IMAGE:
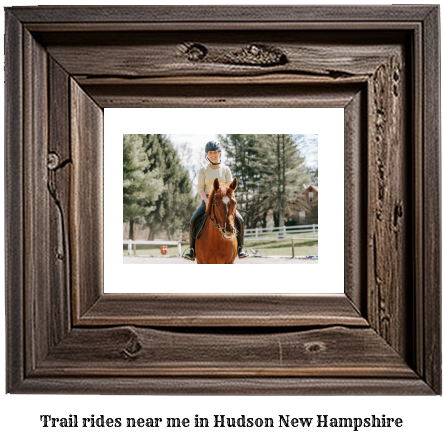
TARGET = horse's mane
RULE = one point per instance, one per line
(224, 190)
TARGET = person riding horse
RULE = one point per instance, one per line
(214, 169)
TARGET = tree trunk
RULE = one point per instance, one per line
(265, 214)
(276, 219)
(281, 221)
(131, 229)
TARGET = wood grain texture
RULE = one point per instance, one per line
(384, 340)
(86, 197)
(129, 351)
(174, 385)
(240, 310)
(265, 79)
(59, 166)
(355, 189)
(224, 14)
(225, 96)
(38, 311)
(388, 204)
(417, 357)
(14, 203)
(171, 54)
(431, 321)
(232, 26)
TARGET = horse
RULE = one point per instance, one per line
(218, 241)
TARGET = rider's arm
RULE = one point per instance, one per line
(203, 195)
(201, 185)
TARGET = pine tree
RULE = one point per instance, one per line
(140, 188)
(271, 172)
(176, 204)
(314, 175)
(288, 173)
(246, 157)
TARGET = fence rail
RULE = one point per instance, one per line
(255, 233)
(251, 234)
(130, 244)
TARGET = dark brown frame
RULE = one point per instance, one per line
(64, 65)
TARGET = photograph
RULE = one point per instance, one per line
(220, 198)
(167, 178)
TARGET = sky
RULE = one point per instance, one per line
(198, 141)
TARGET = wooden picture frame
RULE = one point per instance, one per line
(65, 64)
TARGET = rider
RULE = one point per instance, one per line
(208, 173)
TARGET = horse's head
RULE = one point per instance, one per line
(221, 207)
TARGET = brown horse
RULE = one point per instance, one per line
(218, 241)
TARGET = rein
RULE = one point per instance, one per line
(216, 224)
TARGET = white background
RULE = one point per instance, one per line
(19, 414)
(325, 277)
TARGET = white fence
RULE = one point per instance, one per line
(270, 233)
(283, 232)
(130, 243)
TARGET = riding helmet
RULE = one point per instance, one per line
(212, 146)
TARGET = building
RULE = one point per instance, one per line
(304, 209)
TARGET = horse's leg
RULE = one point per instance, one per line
(202, 244)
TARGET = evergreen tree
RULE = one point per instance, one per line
(246, 156)
(314, 175)
(271, 172)
(140, 188)
(176, 204)
(288, 173)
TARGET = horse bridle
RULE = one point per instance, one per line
(216, 224)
